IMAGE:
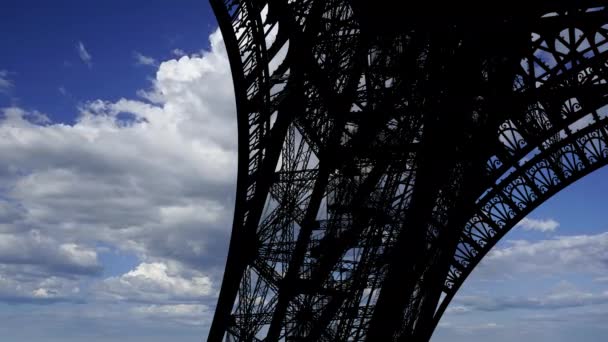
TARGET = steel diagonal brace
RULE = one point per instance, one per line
(326, 161)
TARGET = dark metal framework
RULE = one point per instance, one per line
(383, 153)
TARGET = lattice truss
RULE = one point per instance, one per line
(377, 166)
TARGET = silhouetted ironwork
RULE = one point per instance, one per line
(383, 152)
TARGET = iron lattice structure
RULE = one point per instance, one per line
(383, 152)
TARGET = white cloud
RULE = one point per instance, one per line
(84, 55)
(189, 314)
(33, 248)
(5, 83)
(565, 295)
(583, 254)
(17, 286)
(143, 60)
(157, 283)
(178, 52)
(166, 169)
(548, 225)
(153, 179)
(518, 274)
(469, 329)
(17, 117)
(456, 309)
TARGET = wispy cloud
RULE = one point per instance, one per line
(84, 55)
(190, 314)
(562, 297)
(544, 226)
(178, 52)
(143, 60)
(5, 83)
(582, 254)
(66, 93)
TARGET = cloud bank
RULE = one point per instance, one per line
(152, 177)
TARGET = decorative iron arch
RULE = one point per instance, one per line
(353, 217)
(549, 151)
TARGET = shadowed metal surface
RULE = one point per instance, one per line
(383, 153)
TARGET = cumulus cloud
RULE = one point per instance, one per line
(548, 225)
(153, 178)
(156, 283)
(17, 117)
(84, 55)
(33, 248)
(5, 83)
(143, 60)
(35, 284)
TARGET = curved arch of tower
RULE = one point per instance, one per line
(383, 153)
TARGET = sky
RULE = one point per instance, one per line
(118, 146)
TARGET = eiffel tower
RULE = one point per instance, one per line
(386, 147)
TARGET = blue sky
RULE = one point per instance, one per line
(108, 219)
(546, 280)
(42, 38)
(117, 135)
